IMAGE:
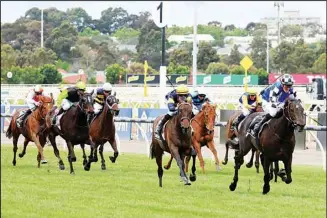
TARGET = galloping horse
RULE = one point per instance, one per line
(103, 130)
(177, 134)
(203, 125)
(33, 130)
(276, 141)
(232, 134)
(74, 128)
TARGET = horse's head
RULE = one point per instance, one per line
(46, 104)
(112, 103)
(86, 103)
(294, 113)
(209, 116)
(184, 114)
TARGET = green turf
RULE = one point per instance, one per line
(129, 188)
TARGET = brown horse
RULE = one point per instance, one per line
(102, 130)
(177, 140)
(33, 130)
(203, 125)
(230, 142)
(276, 141)
(74, 128)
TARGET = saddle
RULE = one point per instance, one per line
(20, 123)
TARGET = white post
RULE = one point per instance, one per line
(195, 47)
(163, 73)
(41, 28)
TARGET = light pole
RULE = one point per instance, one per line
(267, 50)
(278, 4)
(195, 47)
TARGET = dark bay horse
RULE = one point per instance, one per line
(203, 125)
(33, 130)
(102, 130)
(178, 136)
(232, 134)
(276, 141)
(74, 128)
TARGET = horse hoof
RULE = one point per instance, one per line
(73, 159)
(61, 167)
(225, 162)
(72, 173)
(266, 189)
(87, 167)
(21, 155)
(193, 178)
(188, 183)
(166, 167)
(232, 187)
(248, 165)
(44, 161)
(84, 162)
(103, 167)
(112, 159)
(218, 168)
(288, 181)
(14, 163)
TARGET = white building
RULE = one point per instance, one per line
(189, 38)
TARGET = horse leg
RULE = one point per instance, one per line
(276, 170)
(15, 148)
(212, 148)
(187, 160)
(26, 141)
(71, 156)
(103, 162)
(288, 169)
(84, 155)
(180, 164)
(250, 164)
(238, 163)
(91, 159)
(167, 167)
(36, 140)
(197, 148)
(256, 163)
(225, 161)
(192, 175)
(114, 147)
(158, 152)
(52, 140)
(271, 170)
(266, 178)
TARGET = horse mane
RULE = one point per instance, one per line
(45, 99)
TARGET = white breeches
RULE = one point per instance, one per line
(268, 109)
(195, 110)
(31, 106)
(97, 107)
(66, 104)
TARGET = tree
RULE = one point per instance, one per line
(250, 27)
(292, 30)
(137, 21)
(215, 23)
(237, 69)
(54, 16)
(50, 74)
(31, 75)
(113, 71)
(217, 68)
(178, 69)
(229, 27)
(79, 18)
(138, 68)
(124, 34)
(206, 55)
(112, 19)
(235, 56)
(319, 65)
(62, 39)
(87, 32)
(106, 55)
(181, 56)
(33, 14)
(282, 57)
(259, 51)
(8, 56)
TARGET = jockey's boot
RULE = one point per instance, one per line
(237, 121)
(258, 125)
(90, 116)
(22, 118)
(160, 125)
(55, 116)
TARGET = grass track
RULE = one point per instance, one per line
(129, 188)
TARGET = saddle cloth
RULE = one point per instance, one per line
(21, 113)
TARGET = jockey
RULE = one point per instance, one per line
(99, 97)
(68, 97)
(178, 95)
(32, 100)
(248, 101)
(198, 99)
(277, 93)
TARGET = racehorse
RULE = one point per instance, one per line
(276, 141)
(74, 129)
(102, 130)
(203, 125)
(33, 129)
(177, 141)
(231, 135)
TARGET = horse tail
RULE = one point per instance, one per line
(152, 152)
(9, 130)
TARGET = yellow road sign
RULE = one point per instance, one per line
(246, 63)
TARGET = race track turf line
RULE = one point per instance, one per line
(129, 188)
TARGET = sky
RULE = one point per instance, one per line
(180, 13)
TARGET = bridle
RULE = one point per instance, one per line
(206, 119)
(112, 99)
(185, 117)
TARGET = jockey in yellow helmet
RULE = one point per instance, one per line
(178, 95)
